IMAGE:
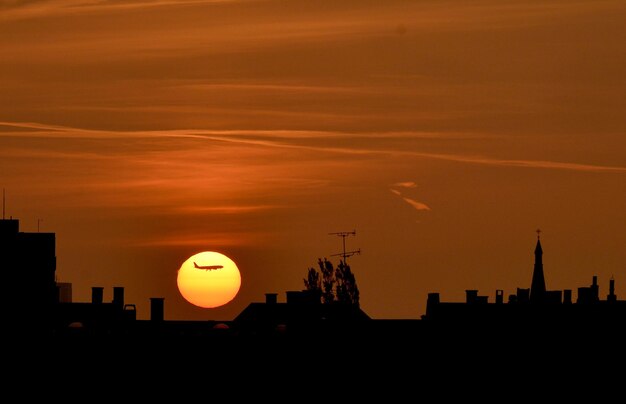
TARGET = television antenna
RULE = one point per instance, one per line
(345, 254)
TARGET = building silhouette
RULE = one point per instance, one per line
(302, 311)
(28, 263)
(538, 284)
(35, 302)
(531, 306)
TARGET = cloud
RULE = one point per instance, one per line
(556, 165)
(235, 209)
(281, 139)
(247, 65)
(417, 205)
(185, 172)
(435, 14)
(43, 8)
(202, 240)
(406, 184)
(273, 88)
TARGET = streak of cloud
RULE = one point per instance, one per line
(539, 164)
(269, 140)
(420, 206)
(437, 13)
(228, 210)
(415, 204)
(405, 184)
(221, 240)
(274, 88)
(44, 8)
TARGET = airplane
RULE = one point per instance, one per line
(208, 267)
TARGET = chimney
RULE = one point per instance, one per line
(523, 295)
(471, 296)
(499, 296)
(271, 298)
(156, 308)
(567, 296)
(433, 298)
(595, 295)
(612, 297)
(118, 296)
(431, 303)
(97, 294)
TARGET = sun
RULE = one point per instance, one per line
(209, 279)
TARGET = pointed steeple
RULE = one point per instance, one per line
(538, 285)
(538, 250)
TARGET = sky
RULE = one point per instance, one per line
(444, 132)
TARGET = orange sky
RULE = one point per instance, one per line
(444, 132)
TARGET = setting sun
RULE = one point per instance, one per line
(208, 279)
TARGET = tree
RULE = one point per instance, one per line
(346, 289)
(312, 281)
(336, 285)
(328, 280)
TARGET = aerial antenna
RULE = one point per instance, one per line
(345, 254)
(4, 202)
(538, 234)
(38, 221)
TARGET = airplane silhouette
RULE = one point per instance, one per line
(208, 267)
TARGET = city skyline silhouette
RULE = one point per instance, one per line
(48, 307)
(296, 337)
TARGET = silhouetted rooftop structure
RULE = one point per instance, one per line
(28, 264)
(538, 284)
(302, 310)
(29, 258)
(527, 306)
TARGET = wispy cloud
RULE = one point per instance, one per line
(281, 140)
(414, 203)
(204, 240)
(235, 209)
(405, 184)
(274, 88)
(39, 8)
(540, 164)
(437, 14)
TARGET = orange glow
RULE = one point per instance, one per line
(209, 288)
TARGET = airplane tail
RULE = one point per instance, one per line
(195, 265)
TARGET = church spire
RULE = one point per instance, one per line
(538, 285)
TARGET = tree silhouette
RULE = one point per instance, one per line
(336, 285)
(328, 280)
(312, 281)
(346, 290)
